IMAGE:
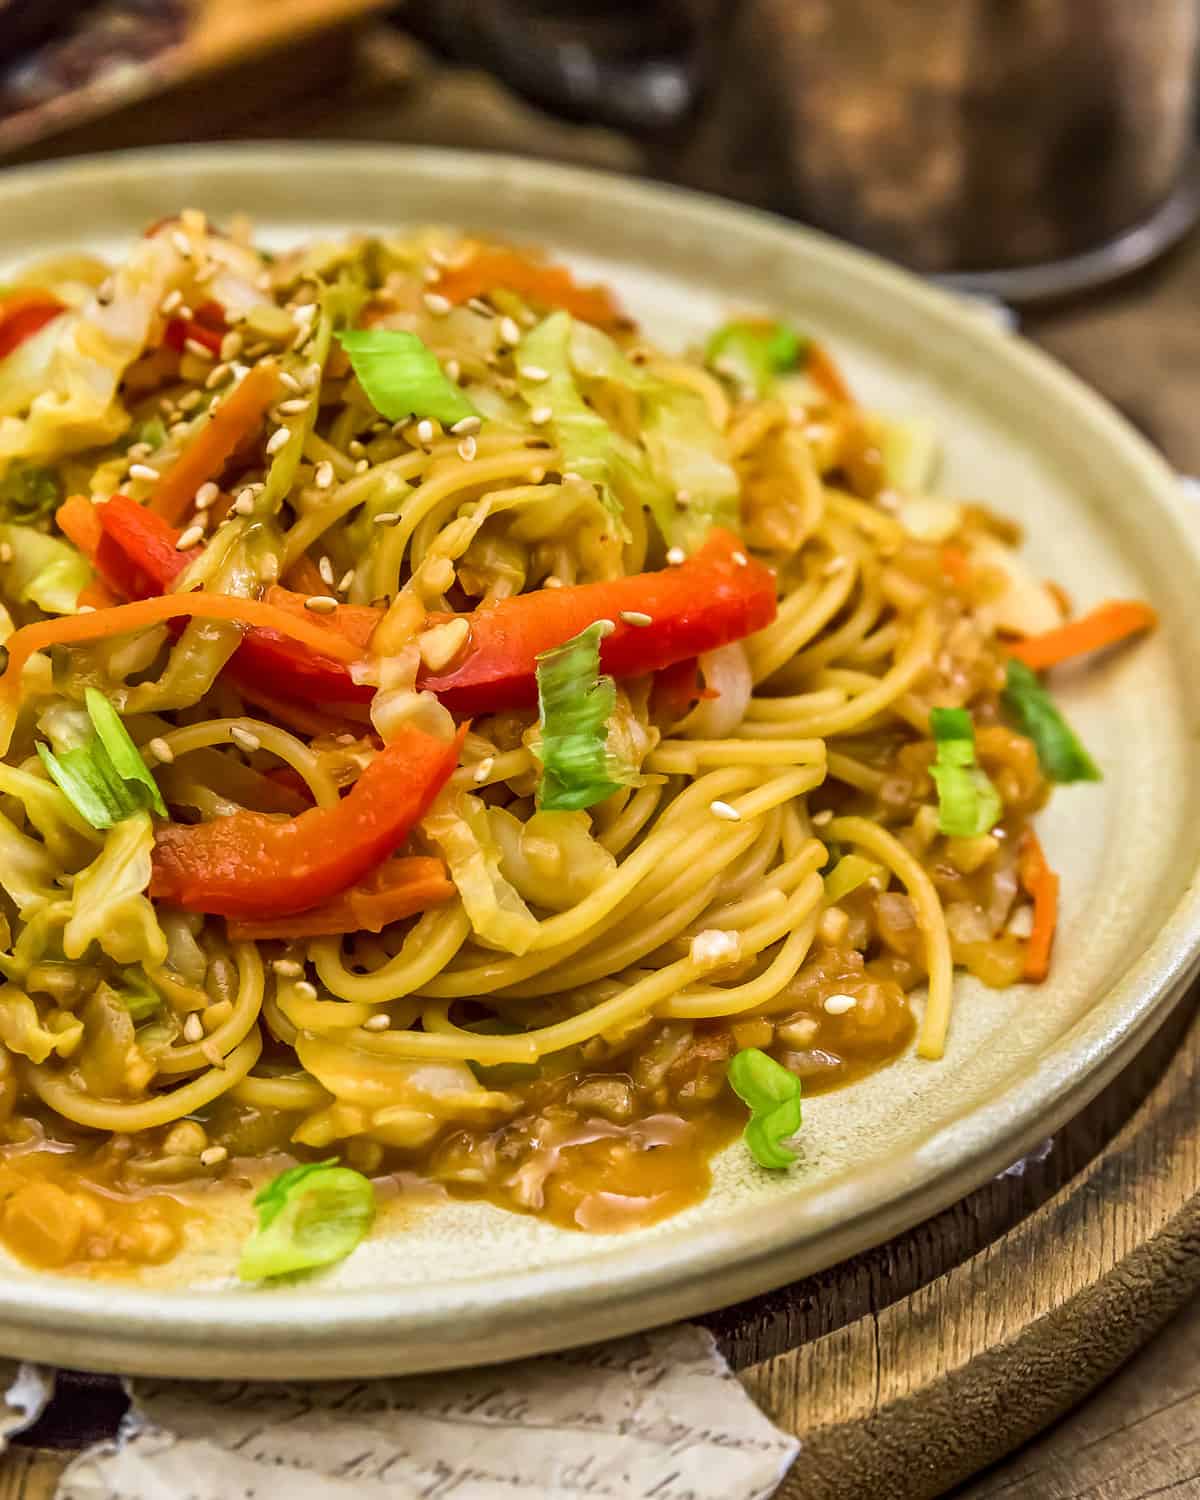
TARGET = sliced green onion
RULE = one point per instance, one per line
(968, 803)
(773, 1096)
(1060, 753)
(28, 493)
(851, 871)
(754, 353)
(307, 1216)
(575, 704)
(137, 994)
(105, 780)
(152, 432)
(402, 376)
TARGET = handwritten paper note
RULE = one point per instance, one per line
(655, 1417)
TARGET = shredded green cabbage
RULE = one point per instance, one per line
(108, 901)
(402, 376)
(968, 803)
(575, 705)
(308, 1216)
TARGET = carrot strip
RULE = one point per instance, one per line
(79, 521)
(124, 617)
(955, 564)
(96, 595)
(827, 375)
(1041, 884)
(203, 459)
(303, 577)
(545, 285)
(1104, 626)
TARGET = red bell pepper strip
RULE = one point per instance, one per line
(718, 595)
(22, 314)
(677, 689)
(398, 888)
(206, 327)
(253, 867)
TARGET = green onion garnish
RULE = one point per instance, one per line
(307, 1216)
(773, 1095)
(402, 376)
(105, 780)
(968, 803)
(575, 704)
(754, 353)
(1060, 753)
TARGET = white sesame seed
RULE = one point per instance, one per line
(189, 538)
(819, 819)
(478, 305)
(835, 565)
(278, 439)
(425, 431)
(303, 315)
(438, 305)
(244, 740)
(467, 449)
(321, 604)
(86, 609)
(323, 478)
(552, 581)
(466, 426)
(289, 381)
(540, 415)
(193, 1028)
(166, 406)
(232, 345)
(244, 504)
(216, 376)
(636, 617)
(510, 332)
(206, 495)
(305, 991)
(377, 1023)
(143, 471)
(725, 811)
(675, 556)
(740, 560)
(838, 1005)
(160, 750)
(431, 275)
(6, 552)
(387, 518)
(362, 466)
(201, 351)
(184, 312)
(325, 568)
(181, 243)
(310, 377)
(170, 302)
(453, 369)
(213, 1156)
(355, 448)
(534, 373)
(138, 450)
(189, 400)
(287, 968)
(294, 407)
(483, 770)
(345, 581)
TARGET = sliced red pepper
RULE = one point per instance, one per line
(206, 326)
(718, 595)
(253, 867)
(137, 554)
(22, 314)
(677, 689)
(399, 888)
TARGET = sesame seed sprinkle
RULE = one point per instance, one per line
(143, 471)
(387, 518)
(345, 581)
(725, 811)
(838, 1005)
(453, 370)
(244, 504)
(201, 351)
(213, 1156)
(138, 450)
(232, 344)
(278, 439)
(540, 415)
(534, 373)
(170, 302)
(189, 400)
(362, 466)
(189, 538)
(287, 968)
(321, 604)
(510, 332)
(325, 568)
(206, 495)
(425, 431)
(216, 376)
(160, 750)
(478, 305)
(305, 990)
(86, 609)
(377, 1023)
(466, 427)
(355, 449)
(467, 449)
(286, 378)
(675, 556)
(819, 819)
(294, 406)
(636, 617)
(193, 1028)
(323, 478)
(438, 305)
(244, 740)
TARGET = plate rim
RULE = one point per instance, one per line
(371, 1331)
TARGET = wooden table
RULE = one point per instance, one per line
(888, 1364)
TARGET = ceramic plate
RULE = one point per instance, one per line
(468, 1283)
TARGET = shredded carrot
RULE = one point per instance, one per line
(299, 716)
(79, 521)
(398, 889)
(542, 284)
(1104, 626)
(303, 577)
(97, 595)
(955, 564)
(125, 617)
(353, 622)
(1041, 885)
(827, 375)
(229, 423)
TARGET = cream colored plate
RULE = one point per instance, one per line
(469, 1283)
